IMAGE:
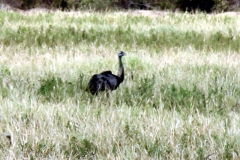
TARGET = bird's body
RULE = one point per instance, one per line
(106, 81)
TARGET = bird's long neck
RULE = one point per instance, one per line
(121, 69)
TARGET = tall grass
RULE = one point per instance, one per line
(179, 100)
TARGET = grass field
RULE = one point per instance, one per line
(180, 98)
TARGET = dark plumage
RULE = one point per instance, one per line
(106, 81)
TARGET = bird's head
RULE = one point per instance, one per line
(121, 53)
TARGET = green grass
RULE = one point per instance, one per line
(180, 98)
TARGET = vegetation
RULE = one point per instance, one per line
(180, 98)
(183, 5)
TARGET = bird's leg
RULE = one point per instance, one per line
(108, 93)
(107, 90)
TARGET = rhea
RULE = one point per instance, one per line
(106, 81)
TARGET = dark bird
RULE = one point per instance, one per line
(106, 81)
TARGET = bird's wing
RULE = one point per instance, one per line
(106, 72)
(95, 84)
(102, 82)
(111, 80)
